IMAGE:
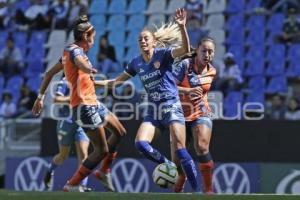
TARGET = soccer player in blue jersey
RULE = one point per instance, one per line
(68, 132)
(111, 123)
(154, 67)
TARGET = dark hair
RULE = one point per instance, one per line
(206, 39)
(81, 26)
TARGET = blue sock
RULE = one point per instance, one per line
(150, 153)
(84, 181)
(52, 166)
(189, 167)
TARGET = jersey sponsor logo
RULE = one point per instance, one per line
(231, 178)
(156, 64)
(141, 70)
(290, 184)
(151, 75)
(129, 175)
(28, 175)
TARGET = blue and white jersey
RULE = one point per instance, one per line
(63, 90)
(156, 76)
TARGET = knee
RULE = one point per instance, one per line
(201, 147)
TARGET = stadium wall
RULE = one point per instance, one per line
(232, 141)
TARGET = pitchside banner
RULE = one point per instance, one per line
(280, 178)
(129, 175)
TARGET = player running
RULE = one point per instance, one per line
(194, 78)
(154, 67)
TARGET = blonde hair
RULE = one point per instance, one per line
(167, 35)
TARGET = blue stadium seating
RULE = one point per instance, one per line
(13, 85)
(252, 4)
(256, 22)
(2, 81)
(117, 7)
(136, 21)
(257, 83)
(275, 22)
(136, 6)
(234, 6)
(21, 5)
(255, 67)
(235, 22)
(34, 83)
(256, 36)
(257, 97)
(21, 41)
(275, 67)
(276, 52)
(3, 37)
(277, 84)
(235, 36)
(99, 23)
(232, 104)
(293, 69)
(132, 52)
(132, 38)
(116, 23)
(294, 52)
(256, 52)
(98, 7)
(239, 54)
(34, 68)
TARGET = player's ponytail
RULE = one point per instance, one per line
(167, 35)
(82, 26)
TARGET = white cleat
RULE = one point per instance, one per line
(73, 188)
(105, 179)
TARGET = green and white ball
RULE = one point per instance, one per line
(165, 175)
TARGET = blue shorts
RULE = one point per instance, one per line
(200, 120)
(69, 132)
(90, 117)
(165, 115)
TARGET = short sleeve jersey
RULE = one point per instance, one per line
(82, 90)
(156, 76)
(187, 75)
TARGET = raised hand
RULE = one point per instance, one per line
(180, 16)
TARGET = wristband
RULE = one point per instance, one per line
(41, 96)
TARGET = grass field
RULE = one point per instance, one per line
(12, 195)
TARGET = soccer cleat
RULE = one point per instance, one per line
(105, 179)
(73, 188)
(87, 189)
(48, 180)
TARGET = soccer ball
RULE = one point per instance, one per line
(165, 175)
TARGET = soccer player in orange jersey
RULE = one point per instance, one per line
(87, 112)
(194, 77)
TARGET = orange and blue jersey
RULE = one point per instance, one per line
(82, 90)
(187, 74)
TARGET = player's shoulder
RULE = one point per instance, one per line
(212, 69)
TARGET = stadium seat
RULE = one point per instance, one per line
(255, 36)
(275, 67)
(255, 67)
(252, 4)
(156, 6)
(98, 7)
(293, 69)
(256, 52)
(14, 83)
(173, 5)
(34, 83)
(156, 19)
(218, 35)
(215, 21)
(277, 84)
(99, 22)
(293, 53)
(234, 6)
(239, 54)
(3, 37)
(35, 67)
(276, 52)
(132, 52)
(235, 22)
(232, 104)
(116, 38)
(257, 97)
(136, 6)
(21, 5)
(132, 38)
(275, 22)
(117, 7)
(56, 38)
(136, 21)
(257, 83)
(37, 38)
(235, 36)
(116, 23)
(2, 81)
(215, 6)
(36, 53)
(54, 53)
(256, 22)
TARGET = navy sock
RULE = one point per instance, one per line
(150, 153)
(189, 167)
(205, 158)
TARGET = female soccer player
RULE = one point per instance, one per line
(68, 132)
(154, 67)
(194, 78)
(86, 110)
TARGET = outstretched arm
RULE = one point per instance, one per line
(38, 104)
(180, 18)
(113, 82)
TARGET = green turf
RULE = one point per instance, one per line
(12, 195)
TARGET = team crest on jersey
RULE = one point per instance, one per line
(156, 64)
